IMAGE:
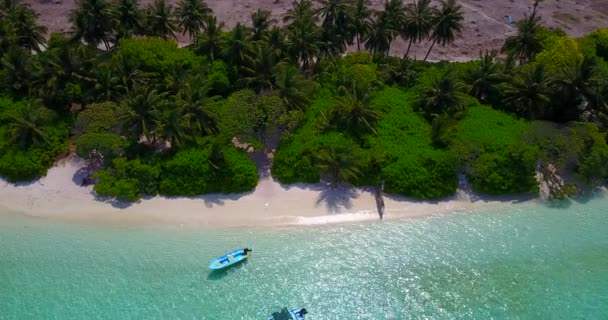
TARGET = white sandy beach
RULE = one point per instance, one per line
(57, 196)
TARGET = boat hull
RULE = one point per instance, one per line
(230, 259)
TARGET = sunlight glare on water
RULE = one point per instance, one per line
(526, 261)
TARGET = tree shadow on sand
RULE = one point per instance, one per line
(337, 198)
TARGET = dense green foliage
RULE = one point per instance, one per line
(178, 121)
(31, 138)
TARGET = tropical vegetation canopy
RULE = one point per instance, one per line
(155, 118)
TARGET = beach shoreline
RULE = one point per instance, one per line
(58, 196)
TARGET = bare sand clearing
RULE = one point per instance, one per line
(57, 196)
(485, 25)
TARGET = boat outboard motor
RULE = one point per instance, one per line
(247, 250)
(303, 311)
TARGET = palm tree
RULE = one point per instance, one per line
(169, 125)
(445, 94)
(361, 20)
(338, 162)
(194, 102)
(418, 22)
(59, 69)
(354, 111)
(380, 37)
(209, 43)
(337, 24)
(386, 27)
(160, 21)
(485, 78)
(237, 46)
(192, 14)
(447, 24)
(29, 34)
(128, 71)
(576, 88)
(16, 72)
(526, 43)
(139, 105)
(260, 22)
(394, 16)
(7, 36)
(25, 124)
(300, 10)
(259, 68)
(106, 84)
(529, 93)
(92, 22)
(292, 87)
(127, 18)
(303, 36)
(276, 40)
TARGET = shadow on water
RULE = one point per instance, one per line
(222, 273)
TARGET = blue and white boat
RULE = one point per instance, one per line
(237, 256)
(293, 314)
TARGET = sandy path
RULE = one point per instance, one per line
(485, 25)
(56, 196)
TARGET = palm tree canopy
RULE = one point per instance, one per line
(236, 46)
(260, 22)
(160, 20)
(529, 93)
(303, 36)
(29, 34)
(355, 112)
(448, 22)
(127, 18)
(292, 87)
(380, 37)
(192, 14)
(25, 125)
(445, 94)
(91, 21)
(361, 20)
(526, 43)
(484, 79)
(209, 42)
(418, 21)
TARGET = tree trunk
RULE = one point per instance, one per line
(407, 53)
(358, 43)
(431, 48)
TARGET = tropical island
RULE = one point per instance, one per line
(315, 96)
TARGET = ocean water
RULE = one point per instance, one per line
(526, 261)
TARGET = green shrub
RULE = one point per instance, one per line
(98, 118)
(109, 185)
(557, 55)
(237, 174)
(427, 176)
(359, 57)
(485, 129)
(188, 173)
(158, 55)
(510, 171)
(108, 145)
(17, 165)
(413, 166)
(596, 43)
(218, 79)
(128, 180)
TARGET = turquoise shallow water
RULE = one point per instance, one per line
(527, 261)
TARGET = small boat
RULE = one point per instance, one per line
(230, 259)
(293, 314)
